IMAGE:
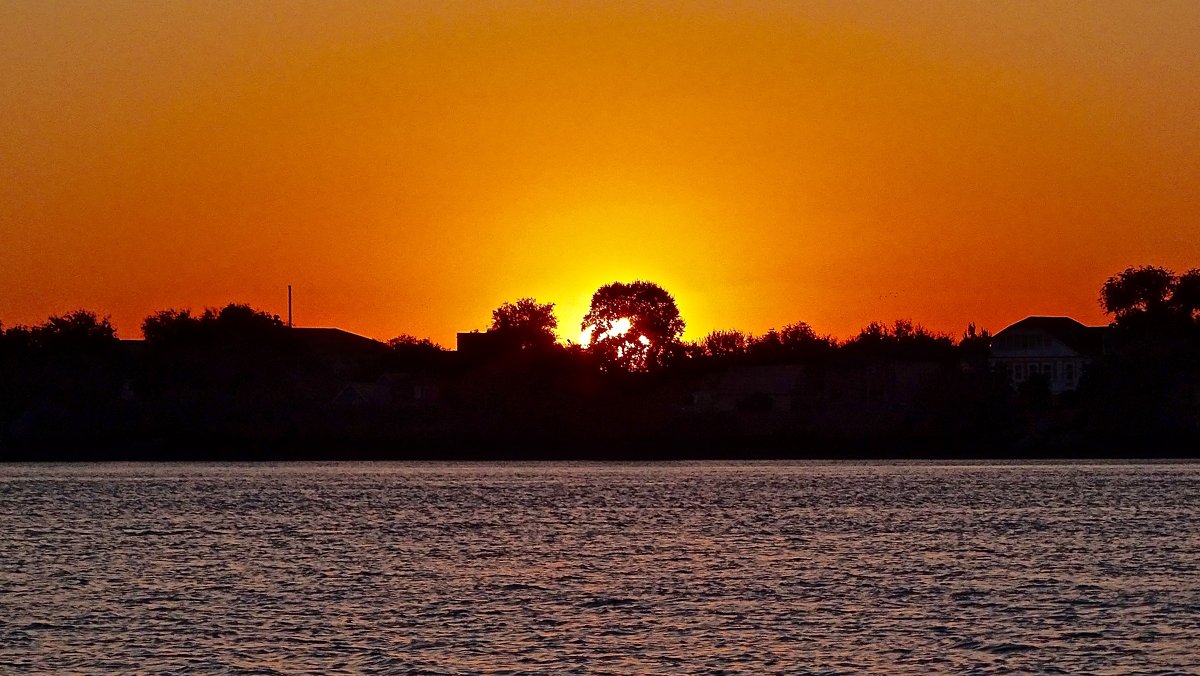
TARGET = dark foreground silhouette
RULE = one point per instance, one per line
(238, 384)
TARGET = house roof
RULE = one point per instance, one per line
(1075, 335)
(328, 340)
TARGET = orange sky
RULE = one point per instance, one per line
(410, 166)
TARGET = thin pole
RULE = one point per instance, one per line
(289, 306)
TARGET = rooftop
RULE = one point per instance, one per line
(1075, 335)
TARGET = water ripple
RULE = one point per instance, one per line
(580, 568)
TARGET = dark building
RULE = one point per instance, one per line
(346, 353)
(482, 346)
(1055, 348)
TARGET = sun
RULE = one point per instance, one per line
(618, 328)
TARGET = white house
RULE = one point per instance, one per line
(1057, 349)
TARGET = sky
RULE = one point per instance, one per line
(410, 166)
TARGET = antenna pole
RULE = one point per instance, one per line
(289, 306)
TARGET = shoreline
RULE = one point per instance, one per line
(333, 450)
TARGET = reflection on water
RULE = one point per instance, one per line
(452, 568)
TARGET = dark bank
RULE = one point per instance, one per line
(240, 384)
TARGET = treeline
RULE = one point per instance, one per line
(237, 383)
(1144, 394)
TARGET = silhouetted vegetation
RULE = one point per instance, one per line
(235, 382)
(526, 323)
(75, 333)
(1147, 389)
(796, 342)
(61, 379)
(634, 327)
(410, 353)
(1146, 291)
(902, 340)
(975, 345)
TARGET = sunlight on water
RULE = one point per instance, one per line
(452, 568)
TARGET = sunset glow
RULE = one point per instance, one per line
(408, 167)
(650, 336)
(619, 328)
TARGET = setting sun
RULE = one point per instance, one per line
(408, 167)
(289, 290)
(619, 328)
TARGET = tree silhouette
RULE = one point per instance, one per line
(634, 327)
(975, 345)
(13, 340)
(1151, 303)
(903, 339)
(415, 354)
(725, 345)
(527, 323)
(1186, 297)
(242, 319)
(1144, 290)
(407, 342)
(234, 322)
(232, 350)
(794, 342)
(170, 326)
(78, 331)
(63, 375)
(1143, 389)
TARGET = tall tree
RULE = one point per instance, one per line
(1144, 290)
(528, 323)
(634, 327)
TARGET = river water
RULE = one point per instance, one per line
(596, 568)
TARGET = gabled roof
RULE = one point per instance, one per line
(1088, 340)
(336, 340)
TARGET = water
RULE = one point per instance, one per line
(574, 568)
